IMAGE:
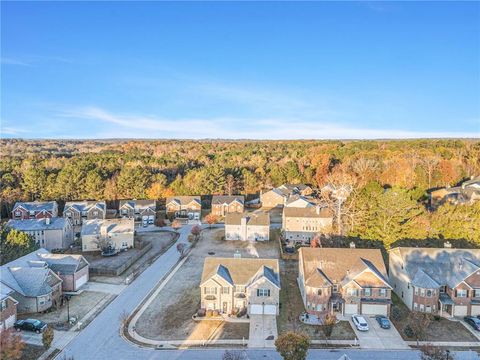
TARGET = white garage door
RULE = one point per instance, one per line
(10, 321)
(460, 310)
(475, 310)
(374, 309)
(80, 281)
(351, 309)
(270, 310)
(256, 309)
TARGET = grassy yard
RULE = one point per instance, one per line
(292, 307)
(438, 330)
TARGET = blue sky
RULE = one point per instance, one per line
(273, 70)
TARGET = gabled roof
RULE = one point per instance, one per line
(36, 206)
(225, 199)
(267, 273)
(308, 212)
(102, 226)
(37, 224)
(139, 204)
(423, 280)
(241, 271)
(445, 266)
(340, 265)
(253, 219)
(184, 200)
(294, 198)
(85, 205)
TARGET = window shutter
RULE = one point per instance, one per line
(268, 292)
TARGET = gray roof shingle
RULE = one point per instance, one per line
(37, 224)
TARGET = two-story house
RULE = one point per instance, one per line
(184, 207)
(140, 210)
(441, 281)
(247, 226)
(49, 233)
(466, 193)
(8, 307)
(117, 233)
(78, 211)
(230, 284)
(300, 225)
(344, 281)
(35, 286)
(278, 197)
(35, 210)
(222, 205)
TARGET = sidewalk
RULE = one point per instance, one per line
(467, 344)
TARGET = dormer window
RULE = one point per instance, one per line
(461, 293)
(335, 288)
(319, 292)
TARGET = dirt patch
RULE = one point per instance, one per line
(32, 352)
(291, 307)
(438, 330)
(169, 315)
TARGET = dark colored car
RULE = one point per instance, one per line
(290, 250)
(473, 322)
(30, 325)
(383, 321)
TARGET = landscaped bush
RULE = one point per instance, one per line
(242, 312)
(436, 317)
(408, 331)
(209, 313)
(201, 312)
(216, 313)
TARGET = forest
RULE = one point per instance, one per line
(389, 179)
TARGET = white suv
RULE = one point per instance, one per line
(360, 322)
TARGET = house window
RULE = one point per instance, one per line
(422, 292)
(95, 213)
(476, 293)
(319, 292)
(263, 292)
(416, 291)
(462, 293)
(367, 292)
(335, 288)
(18, 213)
(210, 290)
(428, 309)
(3, 305)
(422, 308)
(382, 292)
(429, 293)
(415, 306)
(225, 290)
(352, 292)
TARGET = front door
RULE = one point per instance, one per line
(225, 307)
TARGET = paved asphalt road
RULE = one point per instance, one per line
(101, 338)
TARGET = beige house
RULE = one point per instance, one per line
(273, 198)
(184, 207)
(230, 284)
(49, 233)
(117, 233)
(302, 224)
(286, 193)
(441, 281)
(140, 210)
(344, 281)
(78, 211)
(297, 189)
(299, 201)
(222, 205)
(247, 227)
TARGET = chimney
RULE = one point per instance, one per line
(47, 220)
(447, 245)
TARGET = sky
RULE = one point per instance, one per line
(240, 70)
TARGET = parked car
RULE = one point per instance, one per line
(473, 322)
(30, 325)
(360, 322)
(290, 250)
(383, 321)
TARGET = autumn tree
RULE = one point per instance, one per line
(176, 224)
(211, 219)
(328, 324)
(196, 230)
(11, 345)
(418, 324)
(293, 345)
(47, 337)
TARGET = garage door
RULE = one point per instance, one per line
(270, 310)
(460, 310)
(374, 309)
(256, 309)
(475, 310)
(80, 281)
(351, 309)
(10, 321)
(151, 219)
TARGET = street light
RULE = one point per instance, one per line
(67, 299)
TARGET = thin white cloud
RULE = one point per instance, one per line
(148, 126)
(7, 130)
(13, 61)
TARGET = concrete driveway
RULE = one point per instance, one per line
(261, 327)
(378, 338)
(469, 328)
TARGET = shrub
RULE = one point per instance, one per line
(201, 312)
(209, 313)
(436, 317)
(408, 331)
(216, 313)
(47, 337)
(242, 312)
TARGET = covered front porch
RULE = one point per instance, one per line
(446, 308)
